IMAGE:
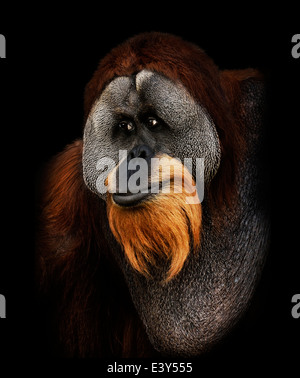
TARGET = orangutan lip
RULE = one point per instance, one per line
(129, 199)
(132, 199)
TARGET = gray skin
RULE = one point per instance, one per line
(135, 99)
(193, 311)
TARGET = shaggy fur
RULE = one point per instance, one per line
(87, 299)
(74, 265)
(163, 228)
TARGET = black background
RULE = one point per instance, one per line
(51, 55)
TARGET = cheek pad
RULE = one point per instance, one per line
(194, 133)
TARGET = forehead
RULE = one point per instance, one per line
(138, 83)
(129, 90)
(147, 87)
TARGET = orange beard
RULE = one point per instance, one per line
(161, 229)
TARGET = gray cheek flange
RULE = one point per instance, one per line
(192, 132)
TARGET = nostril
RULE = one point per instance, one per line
(143, 154)
(142, 151)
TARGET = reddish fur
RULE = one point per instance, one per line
(75, 269)
(74, 265)
(160, 229)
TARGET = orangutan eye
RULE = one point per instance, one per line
(126, 126)
(152, 123)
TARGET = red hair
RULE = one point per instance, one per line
(163, 229)
(92, 305)
(76, 272)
